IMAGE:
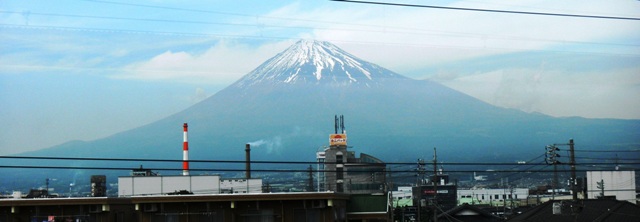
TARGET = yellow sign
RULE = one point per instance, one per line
(337, 139)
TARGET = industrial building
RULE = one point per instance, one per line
(145, 182)
(494, 197)
(354, 190)
(315, 206)
(620, 185)
(343, 172)
(162, 185)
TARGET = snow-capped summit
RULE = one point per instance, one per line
(317, 62)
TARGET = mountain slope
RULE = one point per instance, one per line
(287, 106)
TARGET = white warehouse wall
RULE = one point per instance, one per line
(621, 184)
(161, 185)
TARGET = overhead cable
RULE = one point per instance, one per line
(268, 170)
(490, 10)
(276, 162)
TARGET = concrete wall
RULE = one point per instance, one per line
(621, 184)
(161, 185)
(241, 186)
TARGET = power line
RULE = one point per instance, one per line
(380, 29)
(612, 159)
(287, 162)
(168, 8)
(221, 35)
(528, 168)
(383, 29)
(266, 170)
(237, 14)
(132, 31)
(131, 19)
(490, 10)
(608, 151)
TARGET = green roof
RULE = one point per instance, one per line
(402, 203)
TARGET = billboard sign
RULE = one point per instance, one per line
(338, 139)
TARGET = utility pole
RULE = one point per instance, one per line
(419, 176)
(504, 202)
(551, 156)
(390, 190)
(435, 185)
(555, 181)
(390, 178)
(47, 191)
(511, 198)
(551, 159)
(572, 161)
(600, 185)
(420, 173)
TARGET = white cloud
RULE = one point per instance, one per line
(403, 39)
(411, 40)
(557, 92)
(222, 63)
(406, 39)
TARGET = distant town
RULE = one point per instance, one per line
(341, 185)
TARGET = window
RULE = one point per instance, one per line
(339, 173)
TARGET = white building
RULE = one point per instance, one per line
(492, 196)
(402, 197)
(162, 185)
(621, 184)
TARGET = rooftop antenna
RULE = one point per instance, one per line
(335, 124)
(342, 124)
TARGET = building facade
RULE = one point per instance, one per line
(402, 197)
(325, 206)
(160, 185)
(621, 184)
(493, 197)
(343, 172)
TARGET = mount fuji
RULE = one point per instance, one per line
(317, 62)
(285, 108)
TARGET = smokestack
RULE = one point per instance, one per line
(185, 152)
(247, 150)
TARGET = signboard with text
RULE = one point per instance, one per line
(337, 139)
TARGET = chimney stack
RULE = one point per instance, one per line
(185, 152)
(247, 150)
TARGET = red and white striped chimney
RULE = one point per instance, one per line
(185, 152)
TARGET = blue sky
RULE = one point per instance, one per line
(83, 70)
